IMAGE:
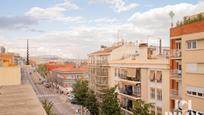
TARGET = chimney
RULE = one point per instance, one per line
(160, 47)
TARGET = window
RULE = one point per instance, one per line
(159, 77)
(153, 110)
(152, 76)
(195, 68)
(191, 44)
(116, 72)
(189, 92)
(152, 93)
(195, 91)
(159, 94)
(137, 90)
(159, 111)
(200, 94)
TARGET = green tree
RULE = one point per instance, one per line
(42, 69)
(80, 90)
(91, 103)
(142, 108)
(110, 104)
(48, 105)
(85, 97)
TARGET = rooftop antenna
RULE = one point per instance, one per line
(171, 14)
(27, 59)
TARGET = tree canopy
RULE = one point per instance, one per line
(142, 108)
(85, 97)
(110, 104)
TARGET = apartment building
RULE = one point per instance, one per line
(66, 76)
(99, 68)
(187, 64)
(10, 73)
(143, 76)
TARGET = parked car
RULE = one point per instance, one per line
(47, 85)
(73, 101)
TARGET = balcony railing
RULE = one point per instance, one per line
(125, 108)
(125, 77)
(130, 93)
(175, 93)
(102, 83)
(176, 73)
(175, 53)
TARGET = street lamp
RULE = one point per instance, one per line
(171, 14)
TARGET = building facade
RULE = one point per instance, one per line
(143, 76)
(99, 65)
(187, 64)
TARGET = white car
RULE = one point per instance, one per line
(70, 97)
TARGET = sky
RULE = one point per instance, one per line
(74, 28)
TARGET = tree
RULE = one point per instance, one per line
(42, 69)
(110, 104)
(142, 108)
(47, 105)
(91, 103)
(80, 90)
(85, 97)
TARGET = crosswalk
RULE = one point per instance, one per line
(47, 95)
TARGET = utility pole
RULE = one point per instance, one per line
(27, 59)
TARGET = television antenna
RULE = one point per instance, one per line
(171, 14)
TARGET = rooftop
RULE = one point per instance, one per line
(19, 100)
(189, 25)
(53, 66)
(154, 61)
(105, 51)
(71, 69)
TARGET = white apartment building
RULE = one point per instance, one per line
(143, 75)
(99, 68)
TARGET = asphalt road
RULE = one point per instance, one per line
(61, 105)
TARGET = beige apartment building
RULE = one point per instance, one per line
(99, 65)
(10, 75)
(145, 76)
(187, 63)
(140, 72)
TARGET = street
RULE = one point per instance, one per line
(60, 104)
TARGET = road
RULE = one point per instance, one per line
(60, 104)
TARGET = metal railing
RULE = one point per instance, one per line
(176, 72)
(175, 92)
(125, 77)
(131, 93)
(175, 53)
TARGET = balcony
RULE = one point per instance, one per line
(176, 74)
(102, 84)
(126, 109)
(175, 54)
(174, 93)
(132, 80)
(130, 94)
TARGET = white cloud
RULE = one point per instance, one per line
(68, 5)
(82, 39)
(118, 5)
(156, 21)
(121, 6)
(55, 12)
